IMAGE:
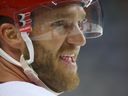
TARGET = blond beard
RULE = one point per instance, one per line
(52, 72)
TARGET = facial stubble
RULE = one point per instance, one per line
(52, 72)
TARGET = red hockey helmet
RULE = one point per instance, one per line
(20, 11)
(14, 8)
(11, 7)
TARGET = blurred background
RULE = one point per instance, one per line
(103, 62)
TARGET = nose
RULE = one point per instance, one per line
(76, 37)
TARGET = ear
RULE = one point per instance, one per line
(11, 36)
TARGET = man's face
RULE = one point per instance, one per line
(57, 39)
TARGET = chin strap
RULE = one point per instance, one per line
(30, 49)
(9, 58)
(27, 69)
(29, 45)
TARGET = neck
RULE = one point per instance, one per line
(15, 53)
(10, 72)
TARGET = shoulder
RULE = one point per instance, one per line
(17, 88)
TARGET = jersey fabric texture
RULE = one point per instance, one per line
(18, 88)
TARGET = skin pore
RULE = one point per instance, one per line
(57, 39)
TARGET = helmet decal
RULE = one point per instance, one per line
(24, 22)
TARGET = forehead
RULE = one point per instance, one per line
(70, 11)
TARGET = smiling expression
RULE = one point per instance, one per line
(57, 38)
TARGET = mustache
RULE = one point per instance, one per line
(69, 49)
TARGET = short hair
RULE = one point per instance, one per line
(6, 19)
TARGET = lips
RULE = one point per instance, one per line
(69, 60)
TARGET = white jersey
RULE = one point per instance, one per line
(18, 88)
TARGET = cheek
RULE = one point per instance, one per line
(51, 38)
(58, 41)
(54, 43)
(59, 37)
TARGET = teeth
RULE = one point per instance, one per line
(68, 58)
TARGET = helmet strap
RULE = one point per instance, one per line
(30, 49)
(29, 45)
(9, 58)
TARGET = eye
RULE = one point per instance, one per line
(80, 24)
(58, 23)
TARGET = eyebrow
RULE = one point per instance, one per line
(66, 15)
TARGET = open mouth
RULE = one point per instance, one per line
(68, 59)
